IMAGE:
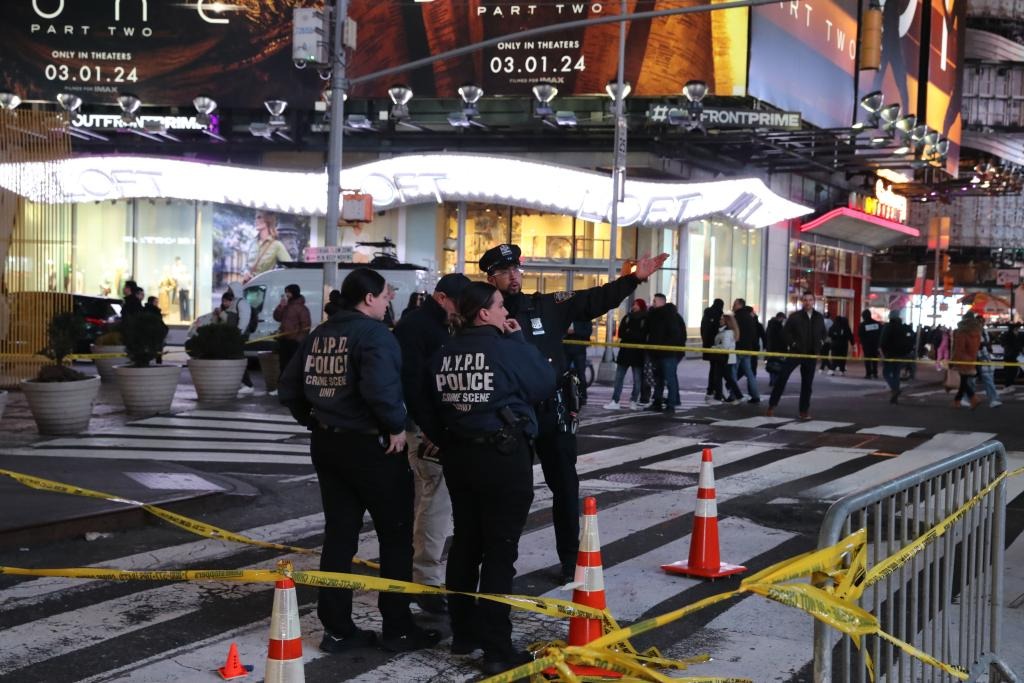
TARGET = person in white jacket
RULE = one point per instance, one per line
(235, 309)
(728, 331)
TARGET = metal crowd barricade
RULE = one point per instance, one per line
(946, 600)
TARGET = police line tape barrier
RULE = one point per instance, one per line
(181, 521)
(845, 563)
(782, 355)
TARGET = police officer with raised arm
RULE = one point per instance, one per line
(545, 319)
(420, 333)
(484, 383)
(344, 384)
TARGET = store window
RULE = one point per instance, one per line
(723, 262)
(542, 236)
(165, 239)
(103, 248)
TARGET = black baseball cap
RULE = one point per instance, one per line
(452, 284)
(501, 256)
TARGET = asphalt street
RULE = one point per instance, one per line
(775, 478)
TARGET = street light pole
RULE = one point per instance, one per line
(618, 174)
(339, 86)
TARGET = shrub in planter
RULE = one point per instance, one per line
(108, 342)
(146, 389)
(217, 361)
(60, 397)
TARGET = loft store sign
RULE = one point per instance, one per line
(407, 180)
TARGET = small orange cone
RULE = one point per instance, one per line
(705, 561)
(589, 591)
(233, 666)
(284, 655)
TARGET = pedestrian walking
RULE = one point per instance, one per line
(826, 346)
(665, 327)
(966, 342)
(131, 304)
(774, 343)
(545, 318)
(748, 339)
(576, 354)
(896, 343)
(840, 337)
(869, 332)
(420, 334)
(710, 323)
(485, 381)
(803, 333)
(986, 373)
(293, 315)
(725, 340)
(632, 330)
(1012, 348)
(345, 385)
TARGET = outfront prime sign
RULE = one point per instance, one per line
(414, 179)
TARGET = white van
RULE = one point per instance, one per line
(264, 291)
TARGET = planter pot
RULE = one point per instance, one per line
(61, 407)
(148, 390)
(270, 366)
(217, 380)
(105, 366)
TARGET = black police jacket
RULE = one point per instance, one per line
(347, 375)
(870, 334)
(545, 318)
(420, 333)
(478, 372)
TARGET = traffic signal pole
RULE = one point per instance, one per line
(335, 138)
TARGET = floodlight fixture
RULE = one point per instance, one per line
(205, 106)
(400, 96)
(930, 139)
(470, 93)
(906, 124)
(695, 90)
(612, 88)
(129, 107)
(872, 102)
(69, 102)
(889, 116)
(9, 101)
(276, 109)
(544, 93)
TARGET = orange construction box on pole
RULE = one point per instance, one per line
(705, 561)
(589, 591)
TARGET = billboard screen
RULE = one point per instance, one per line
(165, 52)
(661, 55)
(815, 41)
(898, 76)
(945, 81)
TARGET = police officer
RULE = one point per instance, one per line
(420, 333)
(545, 319)
(344, 384)
(485, 381)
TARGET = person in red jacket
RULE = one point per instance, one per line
(295, 323)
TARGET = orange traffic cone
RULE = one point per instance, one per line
(284, 656)
(704, 557)
(589, 591)
(233, 666)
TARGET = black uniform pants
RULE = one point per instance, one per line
(491, 495)
(806, 366)
(870, 366)
(355, 476)
(556, 451)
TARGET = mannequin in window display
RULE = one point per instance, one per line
(184, 286)
(270, 250)
(165, 289)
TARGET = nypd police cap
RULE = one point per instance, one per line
(501, 256)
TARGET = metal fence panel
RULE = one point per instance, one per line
(946, 600)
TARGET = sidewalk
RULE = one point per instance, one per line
(33, 516)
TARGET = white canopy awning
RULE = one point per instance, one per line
(404, 180)
(857, 227)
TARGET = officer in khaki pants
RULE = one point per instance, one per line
(420, 333)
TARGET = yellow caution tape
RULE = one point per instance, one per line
(187, 523)
(783, 355)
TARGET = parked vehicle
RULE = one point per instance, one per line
(99, 314)
(264, 291)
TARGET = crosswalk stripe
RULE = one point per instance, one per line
(722, 455)
(814, 426)
(236, 415)
(240, 425)
(177, 433)
(890, 430)
(753, 422)
(619, 455)
(176, 456)
(936, 448)
(176, 444)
